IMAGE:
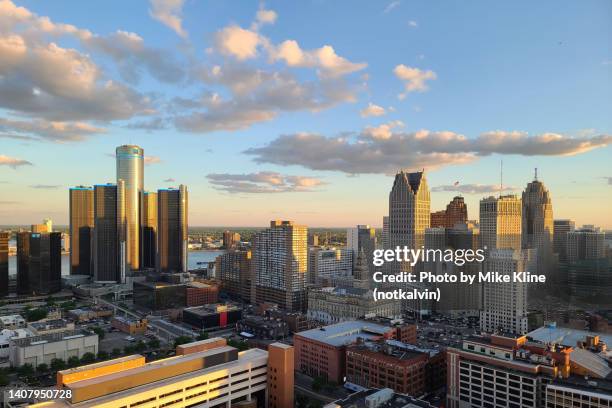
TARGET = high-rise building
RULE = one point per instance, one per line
(584, 244)
(409, 211)
(500, 222)
(280, 258)
(456, 212)
(438, 219)
(23, 263)
(330, 266)
(81, 204)
(589, 271)
(4, 278)
(172, 207)
(537, 225)
(39, 262)
(149, 230)
(363, 238)
(109, 245)
(48, 222)
(130, 169)
(233, 270)
(230, 239)
(560, 230)
(362, 278)
(38, 228)
(505, 303)
(385, 232)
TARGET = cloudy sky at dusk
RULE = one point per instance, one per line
(304, 110)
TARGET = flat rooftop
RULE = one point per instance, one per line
(344, 333)
(566, 336)
(358, 400)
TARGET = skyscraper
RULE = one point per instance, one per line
(109, 246)
(130, 169)
(23, 263)
(456, 212)
(505, 304)
(362, 238)
(560, 230)
(280, 257)
(149, 230)
(45, 263)
(81, 205)
(409, 211)
(537, 224)
(385, 232)
(4, 279)
(172, 229)
(500, 222)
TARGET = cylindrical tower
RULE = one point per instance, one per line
(130, 169)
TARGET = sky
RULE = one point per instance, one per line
(305, 110)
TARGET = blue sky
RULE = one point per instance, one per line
(303, 110)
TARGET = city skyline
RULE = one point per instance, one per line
(265, 117)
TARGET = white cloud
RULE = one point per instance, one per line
(238, 42)
(384, 131)
(49, 130)
(391, 6)
(413, 24)
(414, 78)
(263, 182)
(473, 188)
(264, 16)
(372, 110)
(152, 160)
(169, 13)
(13, 161)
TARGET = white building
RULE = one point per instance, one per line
(36, 350)
(12, 322)
(328, 266)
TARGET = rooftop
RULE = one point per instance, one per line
(358, 400)
(344, 333)
(566, 336)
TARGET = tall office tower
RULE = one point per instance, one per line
(385, 232)
(361, 238)
(230, 239)
(456, 212)
(149, 230)
(462, 298)
(109, 243)
(560, 230)
(130, 169)
(233, 270)
(23, 263)
(330, 266)
(39, 228)
(362, 278)
(505, 304)
(537, 228)
(585, 244)
(4, 279)
(48, 222)
(409, 211)
(280, 265)
(81, 203)
(313, 239)
(500, 222)
(45, 263)
(172, 230)
(438, 219)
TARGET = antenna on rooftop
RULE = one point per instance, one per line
(536, 174)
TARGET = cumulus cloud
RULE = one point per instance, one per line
(48, 130)
(149, 125)
(13, 161)
(383, 131)
(169, 13)
(263, 182)
(473, 188)
(372, 110)
(263, 17)
(414, 79)
(367, 154)
(238, 42)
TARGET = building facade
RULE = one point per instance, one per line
(233, 270)
(537, 227)
(327, 266)
(172, 239)
(81, 203)
(149, 230)
(501, 222)
(4, 275)
(109, 244)
(560, 230)
(362, 238)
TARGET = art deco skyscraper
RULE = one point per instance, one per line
(81, 203)
(409, 211)
(500, 222)
(109, 246)
(172, 229)
(362, 238)
(280, 257)
(4, 279)
(149, 230)
(537, 228)
(130, 169)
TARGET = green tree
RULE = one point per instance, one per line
(73, 361)
(116, 352)
(25, 370)
(129, 349)
(140, 346)
(4, 379)
(70, 304)
(88, 358)
(58, 364)
(102, 355)
(182, 340)
(42, 368)
(100, 332)
(239, 344)
(202, 336)
(34, 315)
(153, 344)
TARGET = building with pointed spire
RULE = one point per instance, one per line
(537, 223)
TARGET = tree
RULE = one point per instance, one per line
(4, 380)
(153, 344)
(239, 344)
(34, 315)
(116, 352)
(182, 340)
(318, 383)
(102, 355)
(140, 346)
(68, 305)
(202, 336)
(25, 370)
(100, 332)
(88, 358)
(128, 349)
(73, 361)
(42, 368)
(58, 364)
